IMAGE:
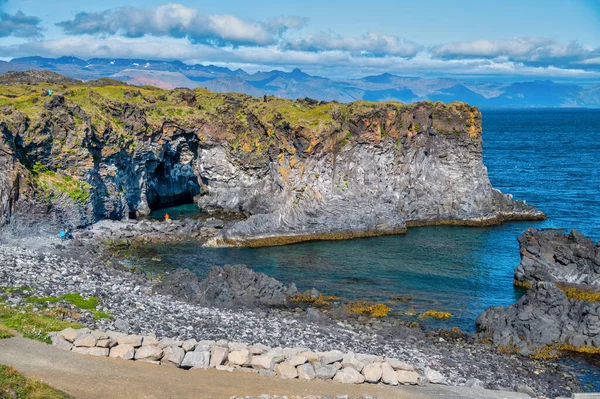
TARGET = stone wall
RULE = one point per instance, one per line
(288, 363)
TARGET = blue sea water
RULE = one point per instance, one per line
(550, 158)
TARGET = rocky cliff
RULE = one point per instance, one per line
(299, 170)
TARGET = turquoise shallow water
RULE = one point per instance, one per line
(547, 157)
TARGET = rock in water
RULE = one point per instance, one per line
(543, 316)
(550, 255)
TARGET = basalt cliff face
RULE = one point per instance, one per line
(299, 170)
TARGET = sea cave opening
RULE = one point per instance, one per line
(171, 185)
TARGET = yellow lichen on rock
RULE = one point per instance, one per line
(321, 300)
(579, 293)
(436, 314)
(368, 309)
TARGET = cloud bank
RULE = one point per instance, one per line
(526, 49)
(373, 43)
(177, 32)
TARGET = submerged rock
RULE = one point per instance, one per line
(550, 255)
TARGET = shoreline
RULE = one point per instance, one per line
(128, 296)
(210, 231)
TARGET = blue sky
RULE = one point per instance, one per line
(509, 39)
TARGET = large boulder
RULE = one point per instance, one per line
(550, 255)
(228, 286)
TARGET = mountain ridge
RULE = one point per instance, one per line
(298, 84)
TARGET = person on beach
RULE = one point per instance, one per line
(167, 218)
(65, 234)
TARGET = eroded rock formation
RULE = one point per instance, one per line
(299, 170)
(550, 255)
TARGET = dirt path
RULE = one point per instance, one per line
(87, 377)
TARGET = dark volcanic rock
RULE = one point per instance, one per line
(227, 286)
(550, 255)
(543, 316)
(181, 284)
(298, 171)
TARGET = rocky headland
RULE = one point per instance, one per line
(561, 309)
(297, 170)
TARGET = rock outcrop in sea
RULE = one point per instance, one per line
(550, 255)
(561, 309)
(299, 170)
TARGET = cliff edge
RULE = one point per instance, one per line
(299, 170)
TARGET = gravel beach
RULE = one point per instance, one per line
(51, 268)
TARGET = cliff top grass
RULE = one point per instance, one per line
(81, 124)
(193, 106)
(14, 385)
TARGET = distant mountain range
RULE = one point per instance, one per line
(297, 84)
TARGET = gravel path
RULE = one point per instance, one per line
(52, 272)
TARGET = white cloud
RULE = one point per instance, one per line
(177, 32)
(326, 63)
(370, 43)
(19, 24)
(179, 21)
(527, 49)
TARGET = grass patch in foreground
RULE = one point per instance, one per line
(14, 385)
(33, 325)
(4, 333)
(76, 299)
(90, 303)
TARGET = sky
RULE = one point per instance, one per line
(505, 39)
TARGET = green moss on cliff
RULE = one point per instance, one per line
(53, 184)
